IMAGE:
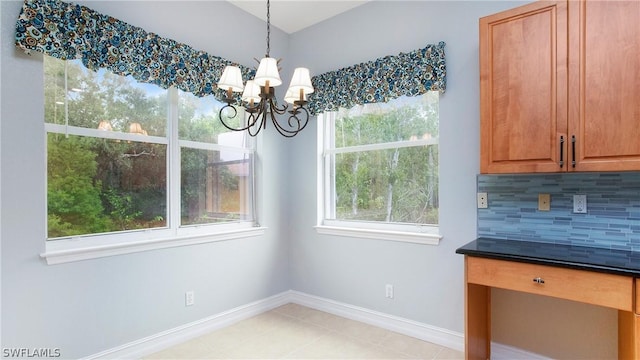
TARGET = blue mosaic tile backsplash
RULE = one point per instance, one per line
(612, 220)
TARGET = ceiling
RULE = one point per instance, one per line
(293, 15)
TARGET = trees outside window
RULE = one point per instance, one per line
(380, 163)
(124, 156)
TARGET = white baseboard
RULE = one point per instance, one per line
(436, 335)
(154, 343)
(433, 334)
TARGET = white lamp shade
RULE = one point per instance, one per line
(231, 79)
(292, 96)
(251, 92)
(268, 71)
(301, 80)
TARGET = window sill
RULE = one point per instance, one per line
(63, 254)
(409, 237)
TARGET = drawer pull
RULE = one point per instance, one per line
(561, 151)
(573, 150)
(538, 280)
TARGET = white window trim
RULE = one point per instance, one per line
(375, 234)
(93, 246)
(77, 249)
(423, 234)
(382, 146)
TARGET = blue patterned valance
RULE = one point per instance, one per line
(70, 31)
(381, 80)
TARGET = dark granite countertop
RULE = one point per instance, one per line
(577, 257)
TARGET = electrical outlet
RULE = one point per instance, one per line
(580, 204)
(544, 202)
(388, 291)
(483, 200)
(189, 298)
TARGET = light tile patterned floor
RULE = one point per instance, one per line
(297, 332)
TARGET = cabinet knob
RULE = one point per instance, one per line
(538, 280)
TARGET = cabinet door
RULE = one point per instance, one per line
(604, 84)
(523, 89)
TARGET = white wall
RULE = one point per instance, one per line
(428, 280)
(89, 306)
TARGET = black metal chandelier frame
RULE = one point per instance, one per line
(267, 107)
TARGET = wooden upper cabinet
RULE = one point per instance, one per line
(523, 76)
(604, 84)
(560, 80)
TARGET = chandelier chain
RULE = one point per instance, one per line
(268, 28)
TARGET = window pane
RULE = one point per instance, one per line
(100, 182)
(99, 185)
(394, 185)
(402, 119)
(216, 186)
(199, 121)
(102, 100)
(382, 162)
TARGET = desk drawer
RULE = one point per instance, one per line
(590, 287)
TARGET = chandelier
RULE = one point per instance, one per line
(258, 96)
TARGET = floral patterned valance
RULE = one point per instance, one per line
(70, 31)
(381, 80)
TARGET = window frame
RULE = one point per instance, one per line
(411, 233)
(90, 246)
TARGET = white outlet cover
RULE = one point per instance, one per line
(580, 204)
(189, 298)
(483, 201)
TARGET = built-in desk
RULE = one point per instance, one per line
(591, 275)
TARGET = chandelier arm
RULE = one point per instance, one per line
(295, 124)
(235, 113)
(256, 129)
(251, 132)
(294, 116)
(283, 131)
(256, 119)
(274, 107)
(251, 120)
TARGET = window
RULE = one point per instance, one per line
(379, 166)
(128, 161)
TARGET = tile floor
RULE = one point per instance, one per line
(296, 332)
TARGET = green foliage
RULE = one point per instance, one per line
(398, 184)
(121, 209)
(74, 204)
(90, 98)
(133, 174)
(100, 185)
